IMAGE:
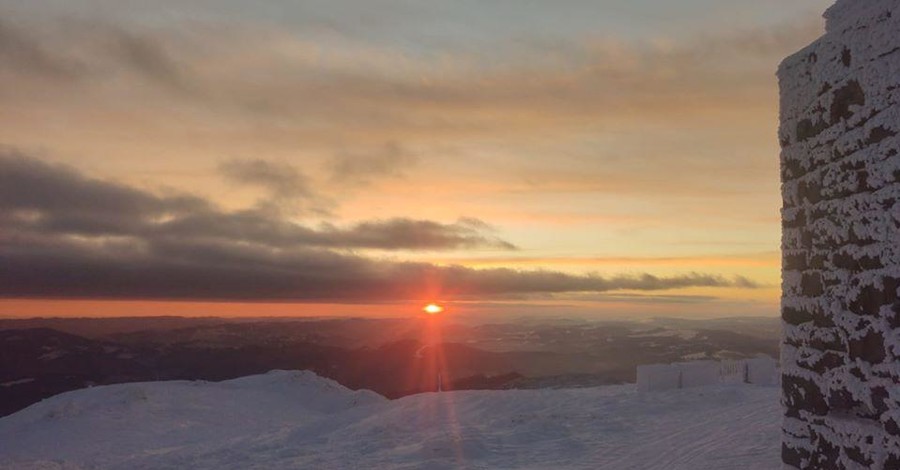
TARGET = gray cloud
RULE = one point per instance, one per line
(20, 53)
(214, 271)
(147, 57)
(465, 233)
(56, 200)
(28, 184)
(578, 75)
(651, 298)
(392, 160)
(288, 189)
(92, 53)
(281, 179)
(66, 235)
(282, 89)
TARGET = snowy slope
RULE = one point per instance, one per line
(299, 420)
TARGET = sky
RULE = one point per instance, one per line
(602, 158)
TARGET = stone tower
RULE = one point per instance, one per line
(840, 169)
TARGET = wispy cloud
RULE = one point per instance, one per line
(357, 168)
(24, 55)
(541, 79)
(763, 259)
(360, 112)
(287, 188)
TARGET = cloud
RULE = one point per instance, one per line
(513, 123)
(66, 235)
(282, 179)
(288, 189)
(31, 185)
(147, 57)
(392, 160)
(649, 298)
(387, 234)
(87, 51)
(22, 54)
(48, 200)
(588, 101)
(283, 87)
(211, 271)
(748, 260)
(288, 73)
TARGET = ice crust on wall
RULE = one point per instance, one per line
(840, 170)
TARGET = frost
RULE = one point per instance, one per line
(840, 120)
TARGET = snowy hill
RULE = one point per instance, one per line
(299, 420)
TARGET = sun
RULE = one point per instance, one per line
(433, 309)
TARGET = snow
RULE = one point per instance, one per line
(668, 333)
(54, 354)
(13, 383)
(299, 420)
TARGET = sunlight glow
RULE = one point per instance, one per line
(433, 309)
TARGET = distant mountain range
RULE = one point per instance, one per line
(394, 357)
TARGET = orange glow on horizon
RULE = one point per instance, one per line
(433, 309)
(31, 308)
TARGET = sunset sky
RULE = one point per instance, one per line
(602, 158)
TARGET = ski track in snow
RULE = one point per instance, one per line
(299, 420)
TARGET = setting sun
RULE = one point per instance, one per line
(433, 309)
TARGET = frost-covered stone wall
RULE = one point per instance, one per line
(840, 120)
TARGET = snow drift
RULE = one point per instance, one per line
(299, 420)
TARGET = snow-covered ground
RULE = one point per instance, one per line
(299, 420)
